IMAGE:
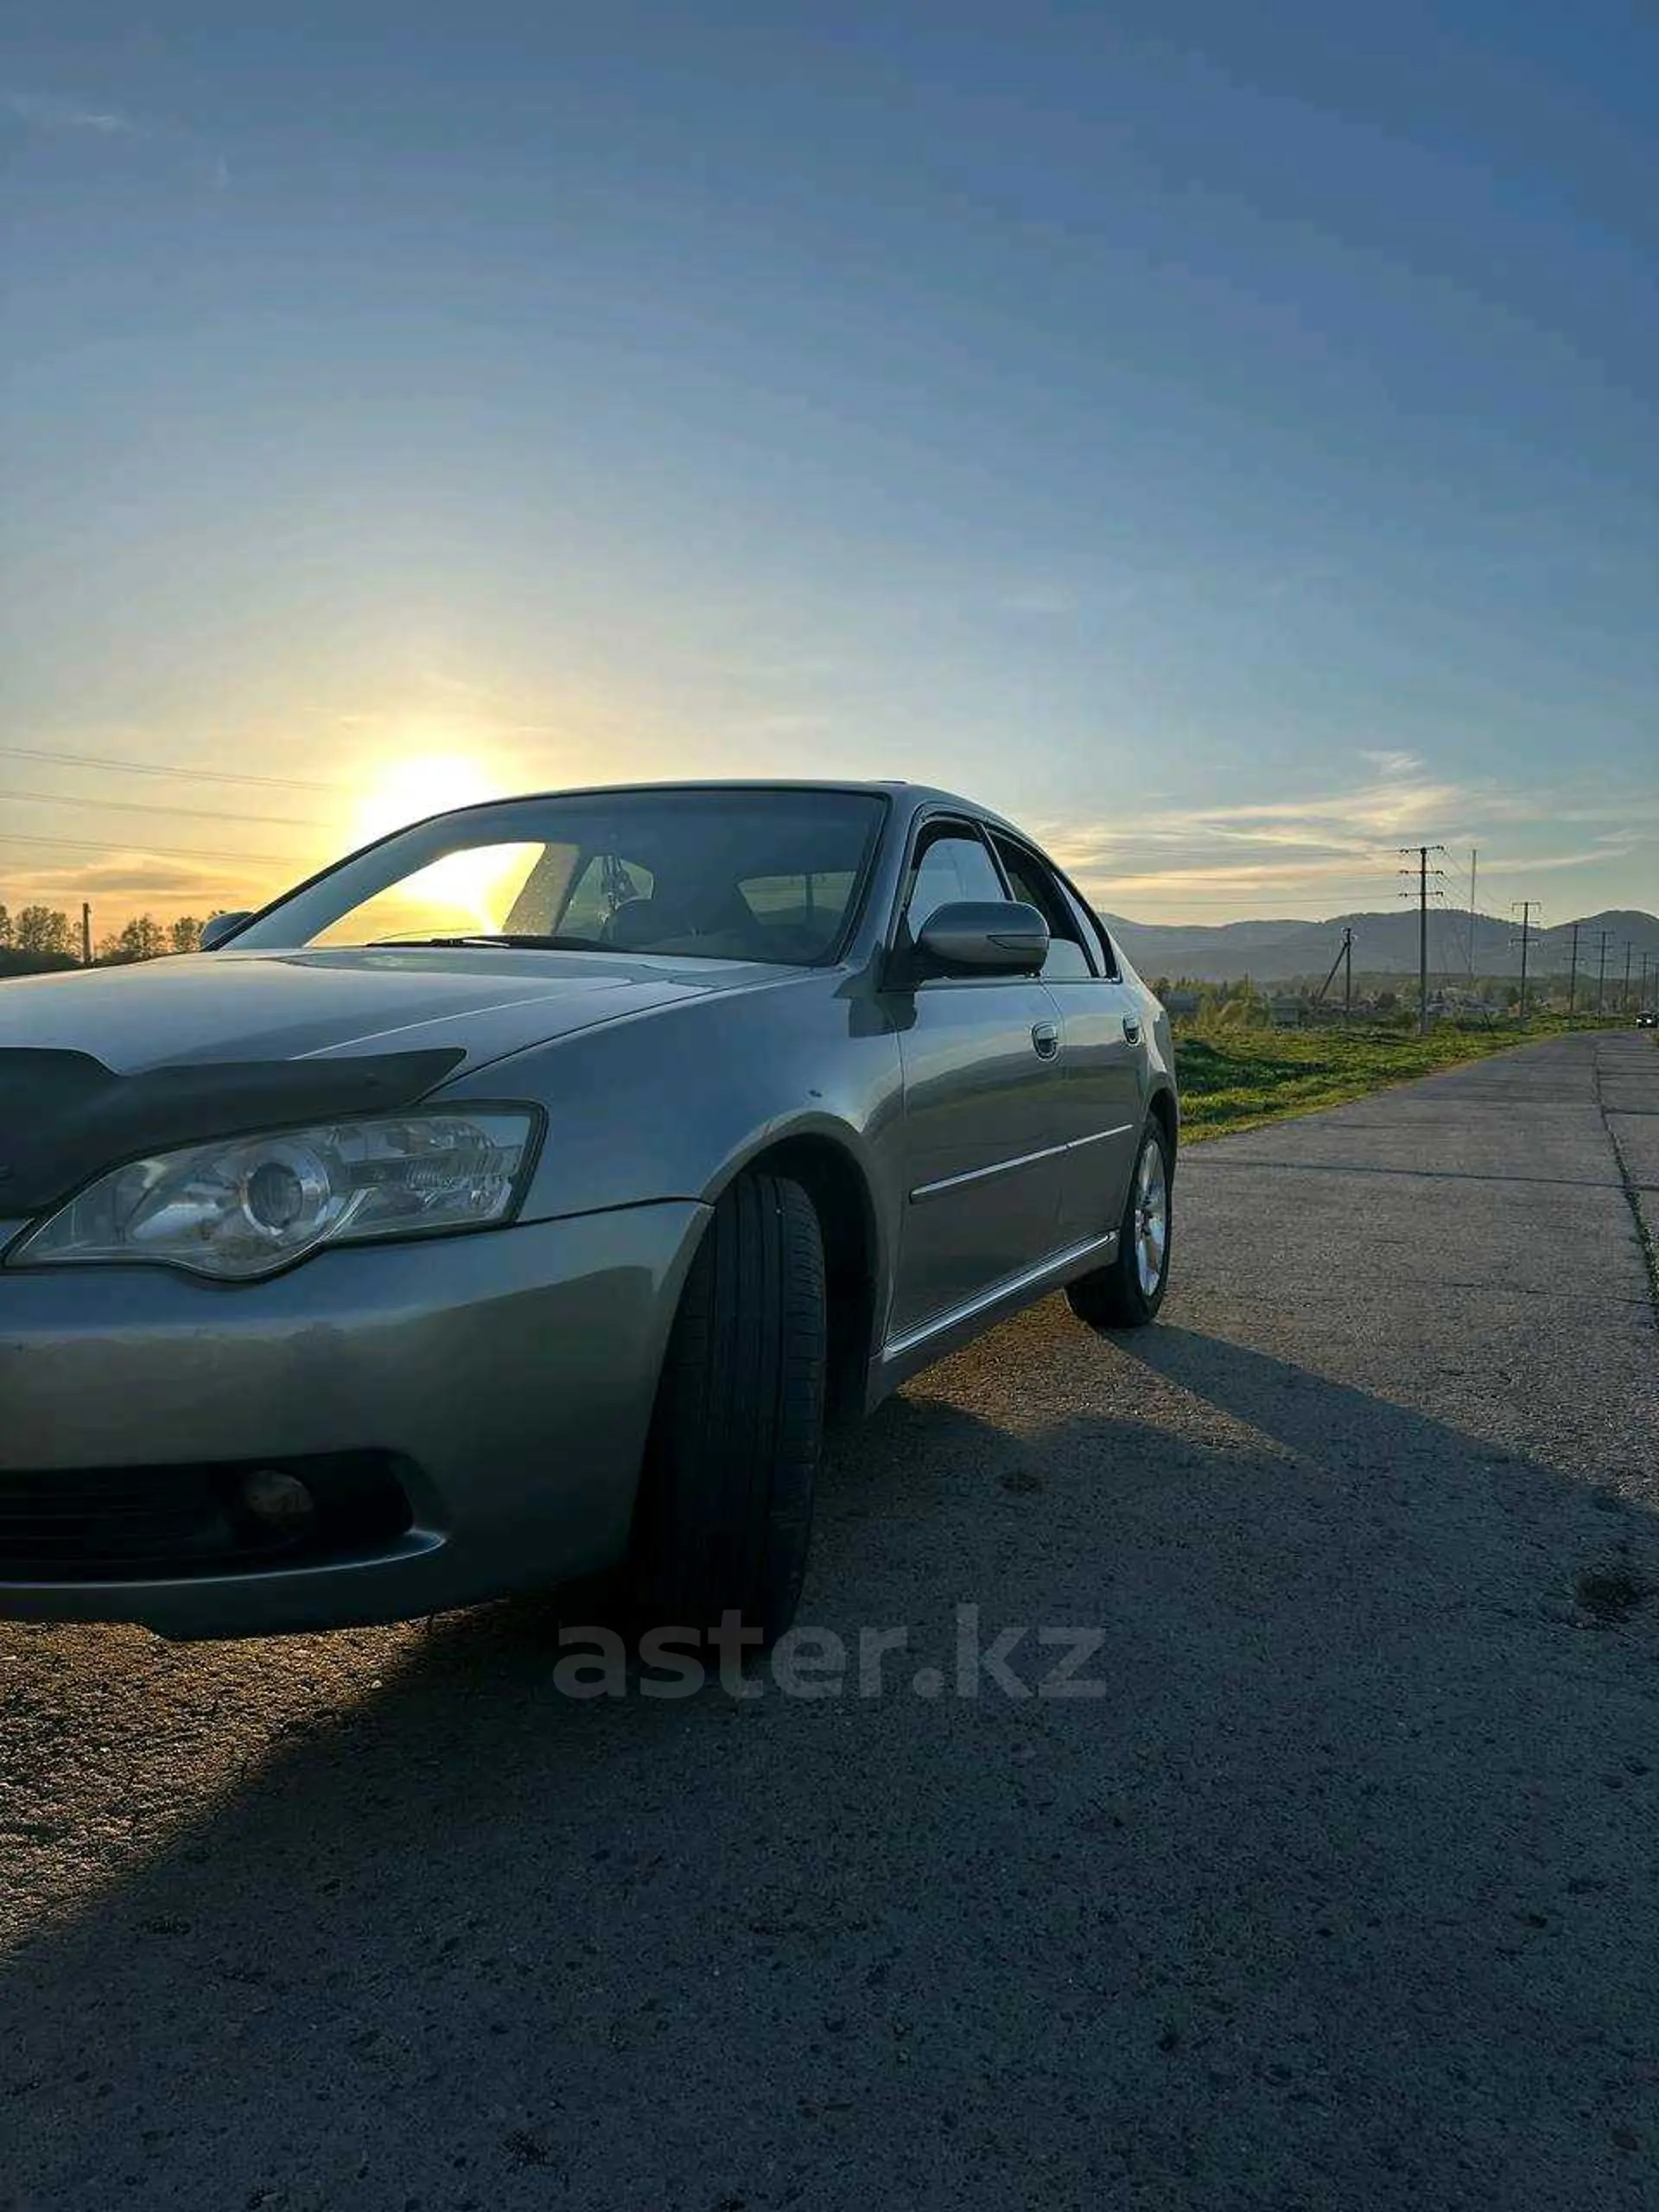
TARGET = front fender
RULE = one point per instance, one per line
(673, 1103)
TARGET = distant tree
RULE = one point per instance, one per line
(1387, 1001)
(185, 934)
(5, 929)
(143, 939)
(42, 929)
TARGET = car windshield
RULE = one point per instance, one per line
(704, 875)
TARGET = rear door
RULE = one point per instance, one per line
(980, 1138)
(1102, 1054)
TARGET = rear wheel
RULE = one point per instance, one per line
(1127, 1294)
(725, 1512)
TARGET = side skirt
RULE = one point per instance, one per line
(901, 1356)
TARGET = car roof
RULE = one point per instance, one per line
(909, 794)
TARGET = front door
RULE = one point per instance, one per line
(1102, 1052)
(981, 1135)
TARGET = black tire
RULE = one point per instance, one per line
(1115, 1296)
(725, 1512)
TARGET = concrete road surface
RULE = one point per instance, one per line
(1342, 1892)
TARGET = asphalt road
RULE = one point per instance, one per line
(1343, 1893)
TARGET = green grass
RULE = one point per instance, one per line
(1239, 1078)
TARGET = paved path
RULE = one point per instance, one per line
(1344, 1894)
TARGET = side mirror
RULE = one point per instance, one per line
(982, 937)
(214, 933)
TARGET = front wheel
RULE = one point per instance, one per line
(725, 1510)
(1127, 1294)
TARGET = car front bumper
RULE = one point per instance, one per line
(509, 1375)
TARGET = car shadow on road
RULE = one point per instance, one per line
(1342, 1885)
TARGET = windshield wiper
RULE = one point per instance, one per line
(515, 940)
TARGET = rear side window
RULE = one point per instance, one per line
(1069, 959)
(1095, 933)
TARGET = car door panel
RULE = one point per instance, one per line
(981, 1142)
(1100, 1105)
(979, 1131)
(1102, 1070)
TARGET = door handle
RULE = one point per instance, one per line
(1131, 1030)
(1046, 1037)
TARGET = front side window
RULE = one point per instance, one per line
(949, 864)
(737, 874)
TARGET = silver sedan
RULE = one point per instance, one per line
(517, 1199)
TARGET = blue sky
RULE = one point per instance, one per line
(1222, 436)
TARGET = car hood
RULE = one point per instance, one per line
(224, 1006)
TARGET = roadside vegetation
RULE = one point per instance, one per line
(1236, 1070)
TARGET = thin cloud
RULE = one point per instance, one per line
(42, 113)
(131, 883)
(1039, 600)
(1393, 764)
(48, 116)
(1336, 848)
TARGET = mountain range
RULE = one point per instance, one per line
(1384, 944)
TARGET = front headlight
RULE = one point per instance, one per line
(246, 1206)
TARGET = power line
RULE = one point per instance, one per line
(155, 768)
(141, 806)
(169, 852)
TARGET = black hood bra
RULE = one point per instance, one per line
(65, 1116)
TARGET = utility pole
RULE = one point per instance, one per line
(85, 934)
(1473, 856)
(1603, 942)
(1422, 852)
(1345, 960)
(1624, 996)
(1526, 906)
(1573, 974)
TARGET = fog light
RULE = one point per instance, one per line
(281, 1501)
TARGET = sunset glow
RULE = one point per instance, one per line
(429, 783)
(1184, 446)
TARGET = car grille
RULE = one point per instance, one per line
(135, 1523)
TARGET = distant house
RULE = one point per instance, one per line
(1181, 1001)
(1285, 1011)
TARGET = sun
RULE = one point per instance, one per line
(470, 889)
(425, 783)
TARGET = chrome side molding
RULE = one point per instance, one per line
(1010, 1287)
(923, 1192)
